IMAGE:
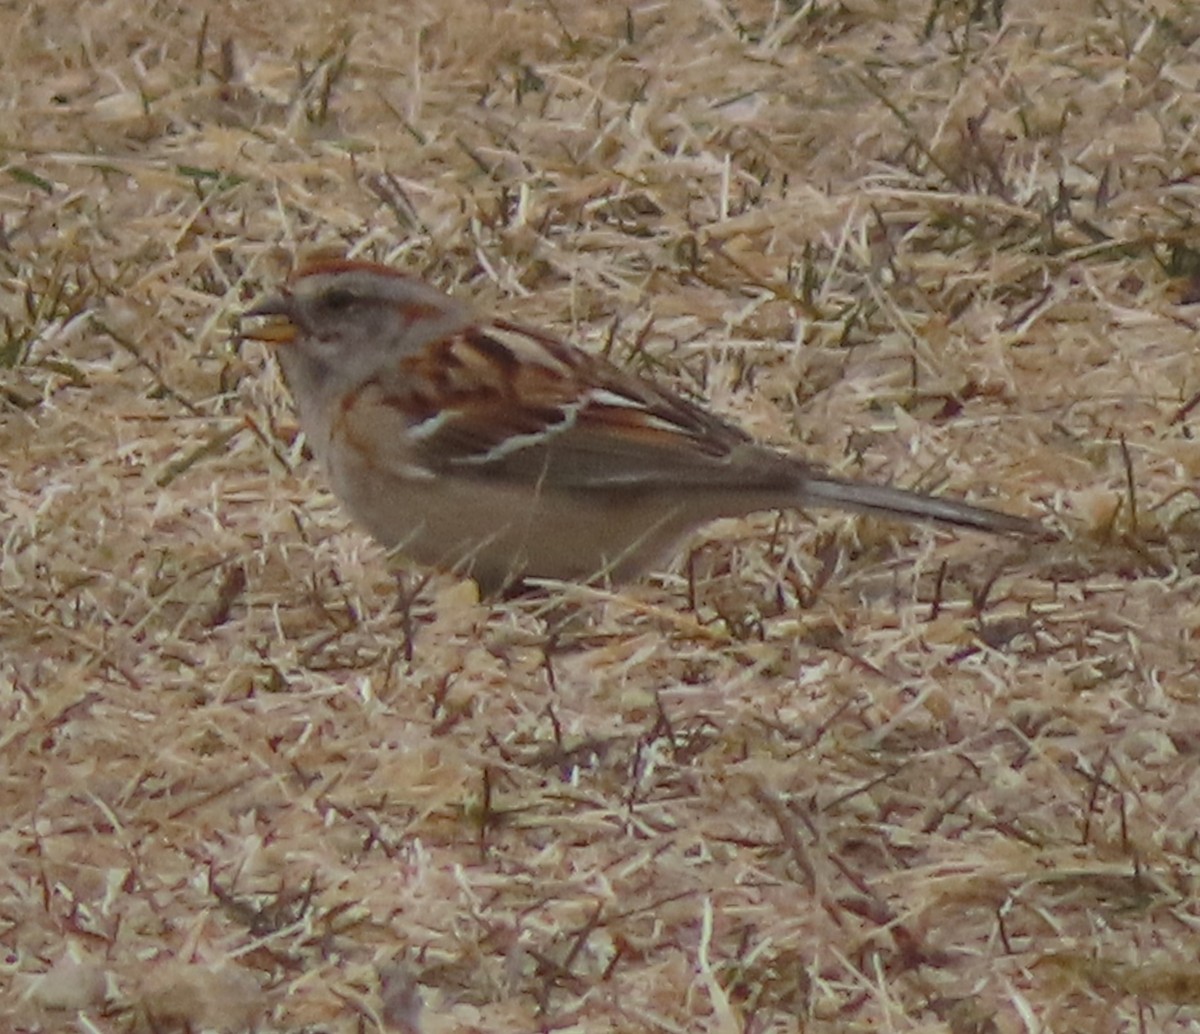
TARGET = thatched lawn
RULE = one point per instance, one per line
(824, 774)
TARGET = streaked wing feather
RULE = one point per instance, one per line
(514, 404)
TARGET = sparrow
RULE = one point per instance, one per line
(504, 453)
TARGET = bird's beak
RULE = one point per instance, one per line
(281, 330)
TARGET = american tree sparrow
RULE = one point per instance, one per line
(502, 452)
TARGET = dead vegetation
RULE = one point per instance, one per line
(825, 775)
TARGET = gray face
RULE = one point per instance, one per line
(340, 320)
(351, 321)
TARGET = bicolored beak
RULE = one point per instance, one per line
(281, 327)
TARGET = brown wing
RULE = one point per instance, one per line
(504, 401)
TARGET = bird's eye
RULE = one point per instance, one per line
(338, 299)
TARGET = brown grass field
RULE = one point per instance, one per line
(824, 773)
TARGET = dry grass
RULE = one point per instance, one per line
(854, 777)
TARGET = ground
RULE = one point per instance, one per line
(822, 773)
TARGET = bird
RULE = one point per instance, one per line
(501, 452)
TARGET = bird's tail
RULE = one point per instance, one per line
(885, 501)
